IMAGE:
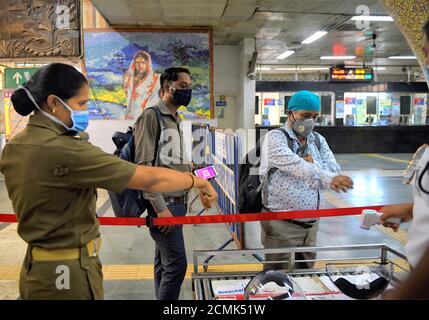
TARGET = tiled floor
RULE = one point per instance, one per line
(377, 181)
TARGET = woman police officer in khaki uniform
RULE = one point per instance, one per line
(51, 174)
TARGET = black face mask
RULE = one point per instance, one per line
(182, 97)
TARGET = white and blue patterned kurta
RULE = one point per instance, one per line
(296, 183)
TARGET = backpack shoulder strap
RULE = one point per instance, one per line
(271, 170)
(317, 140)
(159, 116)
(161, 128)
(289, 139)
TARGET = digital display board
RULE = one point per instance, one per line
(351, 74)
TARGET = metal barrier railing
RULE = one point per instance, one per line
(222, 151)
(376, 253)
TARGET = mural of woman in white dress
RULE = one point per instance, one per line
(141, 84)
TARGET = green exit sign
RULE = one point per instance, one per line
(14, 77)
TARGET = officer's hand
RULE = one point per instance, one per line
(341, 183)
(208, 195)
(165, 214)
(309, 158)
(402, 211)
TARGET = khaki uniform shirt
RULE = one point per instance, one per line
(51, 176)
(173, 155)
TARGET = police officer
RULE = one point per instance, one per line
(417, 248)
(51, 174)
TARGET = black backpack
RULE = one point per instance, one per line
(130, 202)
(249, 185)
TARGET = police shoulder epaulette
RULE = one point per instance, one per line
(82, 136)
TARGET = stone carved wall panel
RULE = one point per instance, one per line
(40, 28)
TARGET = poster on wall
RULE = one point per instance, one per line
(11, 122)
(386, 106)
(360, 110)
(350, 101)
(269, 102)
(339, 107)
(124, 68)
(396, 106)
(419, 101)
(220, 145)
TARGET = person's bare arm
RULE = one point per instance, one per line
(402, 211)
(165, 180)
(416, 286)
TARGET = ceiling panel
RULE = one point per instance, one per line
(191, 2)
(277, 25)
(244, 2)
(132, 3)
(321, 6)
(212, 10)
(244, 12)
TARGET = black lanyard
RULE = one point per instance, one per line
(421, 178)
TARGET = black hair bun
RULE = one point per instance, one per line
(22, 103)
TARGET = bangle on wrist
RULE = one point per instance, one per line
(193, 180)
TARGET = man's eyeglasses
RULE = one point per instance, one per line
(182, 87)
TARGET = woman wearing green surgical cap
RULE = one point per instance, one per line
(296, 165)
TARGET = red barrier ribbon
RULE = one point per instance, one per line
(222, 218)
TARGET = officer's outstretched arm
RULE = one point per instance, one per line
(165, 180)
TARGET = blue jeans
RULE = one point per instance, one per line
(170, 262)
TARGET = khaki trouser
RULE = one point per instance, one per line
(77, 279)
(284, 234)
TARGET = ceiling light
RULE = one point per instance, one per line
(372, 18)
(285, 54)
(315, 36)
(361, 67)
(314, 68)
(286, 69)
(402, 57)
(263, 68)
(338, 57)
(276, 17)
